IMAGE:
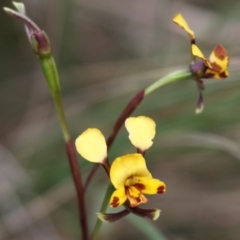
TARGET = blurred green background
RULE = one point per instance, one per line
(106, 52)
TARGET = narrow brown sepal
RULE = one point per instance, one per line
(200, 103)
(152, 214)
(112, 217)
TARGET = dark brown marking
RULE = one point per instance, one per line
(220, 52)
(223, 75)
(139, 186)
(161, 189)
(216, 67)
(115, 202)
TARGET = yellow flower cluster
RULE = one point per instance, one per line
(128, 173)
(216, 65)
(213, 67)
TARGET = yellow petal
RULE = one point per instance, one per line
(150, 186)
(118, 197)
(197, 53)
(219, 61)
(126, 167)
(141, 131)
(180, 21)
(91, 145)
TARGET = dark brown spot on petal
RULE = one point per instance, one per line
(223, 75)
(220, 52)
(161, 189)
(115, 202)
(139, 186)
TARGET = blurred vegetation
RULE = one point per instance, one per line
(106, 52)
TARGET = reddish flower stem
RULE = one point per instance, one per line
(132, 105)
(76, 175)
(124, 115)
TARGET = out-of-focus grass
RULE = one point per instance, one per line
(106, 53)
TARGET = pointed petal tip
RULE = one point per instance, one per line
(103, 217)
(156, 215)
(199, 110)
(152, 214)
(112, 217)
(200, 103)
(19, 6)
(7, 10)
(180, 21)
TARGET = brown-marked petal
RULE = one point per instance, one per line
(141, 131)
(151, 186)
(91, 145)
(118, 197)
(219, 61)
(197, 53)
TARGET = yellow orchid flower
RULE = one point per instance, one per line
(131, 178)
(214, 67)
(219, 63)
(218, 60)
(128, 174)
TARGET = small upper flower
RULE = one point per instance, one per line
(217, 63)
(131, 178)
(214, 67)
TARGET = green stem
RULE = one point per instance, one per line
(51, 74)
(62, 119)
(184, 74)
(41, 46)
(103, 209)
